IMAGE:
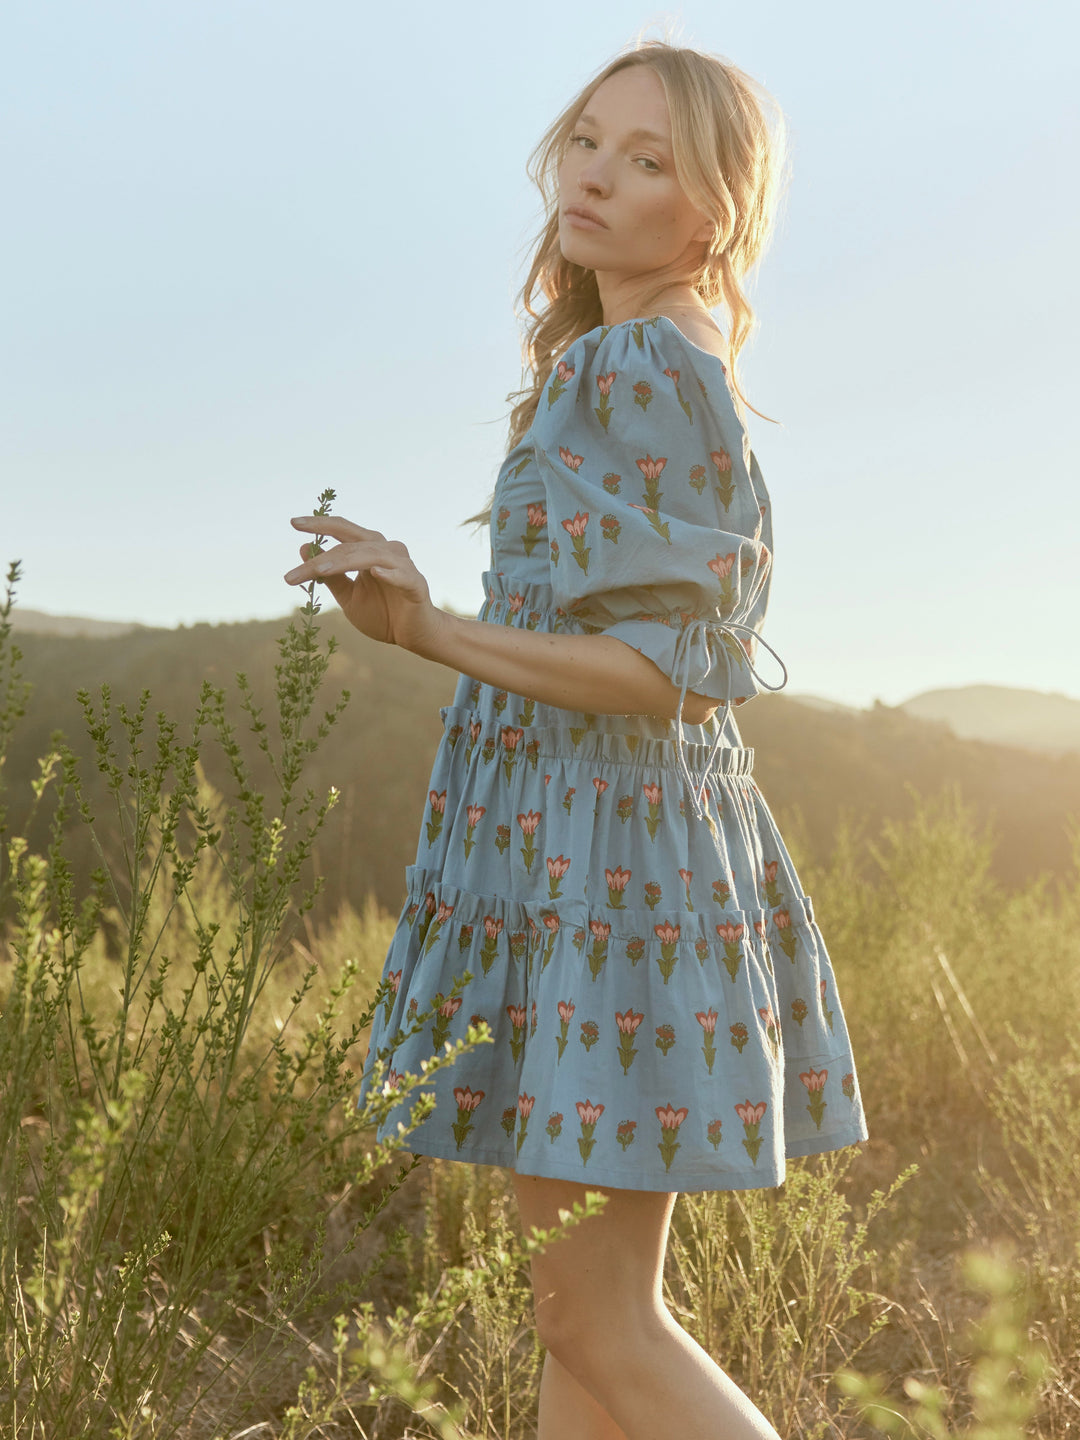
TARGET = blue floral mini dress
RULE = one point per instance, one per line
(610, 893)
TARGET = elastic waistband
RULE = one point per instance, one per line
(595, 747)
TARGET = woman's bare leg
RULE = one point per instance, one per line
(600, 1311)
(569, 1412)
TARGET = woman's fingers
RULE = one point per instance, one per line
(336, 526)
(356, 555)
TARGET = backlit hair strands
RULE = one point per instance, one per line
(730, 163)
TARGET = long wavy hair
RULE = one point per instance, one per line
(730, 162)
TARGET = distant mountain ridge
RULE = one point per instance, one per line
(1033, 719)
(39, 622)
(813, 757)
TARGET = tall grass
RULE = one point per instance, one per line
(199, 1238)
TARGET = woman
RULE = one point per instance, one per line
(598, 871)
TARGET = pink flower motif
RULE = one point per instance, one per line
(686, 876)
(767, 1017)
(729, 932)
(588, 1113)
(721, 459)
(529, 822)
(444, 912)
(653, 793)
(751, 1114)
(601, 785)
(814, 1079)
(517, 1015)
(671, 1119)
(629, 1022)
(605, 382)
(576, 527)
(525, 1105)
(823, 989)
(759, 926)
(650, 468)
(617, 879)
(721, 567)
(492, 927)
(395, 1077)
(707, 1021)
(557, 866)
(566, 1011)
(449, 1008)
(667, 934)
(429, 902)
(781, 919)
(552, 921)
(475, 813)
(569, 459)
(564, 371)
(516, 601)
(394, 977)
(437, 800)
(536, 515)
(467, 1099)
(474, 731)
(770, 872)
(600, 929)
(673, 375)
(511, 736)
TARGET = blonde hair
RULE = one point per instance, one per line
(730, 164)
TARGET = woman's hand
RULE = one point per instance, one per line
(389, 599)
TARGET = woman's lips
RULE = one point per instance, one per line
(584, 219)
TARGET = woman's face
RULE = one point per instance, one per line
(620, 171)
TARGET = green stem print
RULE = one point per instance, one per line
(610, 528)
(722, 567)
(673, 376)
(605, 409)
(528, 824)
(566, 1014)
(443, 913)
(668, 935)
(525, 1107)
(551, 925)
(628, 1027)
(824, 1008)
(598, 954)
(772, 1030)
(590, 1033)
(562, 374)
(686, 876)
(665, 1038)
(518, 1021)
(739, 1035)
(588, 1114)
(670, 1120)
(642, 394)
(490, 948)
(773, 894)
(447, 1009)
(526, 713)
(814, 1080)
(437, 801)
(473, 814)
(731, 937)
(393, 985)
(654, 797)
(617, 881)
(624, 1133)
(467, 1101)
(635, 949)
(713, 1133)
(788, 938)
(725, 486)
(535, 525)
(575, 528)
(707, 1020)
(554, 1126)
(752, 1116)
(557, 866)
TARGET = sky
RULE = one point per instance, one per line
(251, 250)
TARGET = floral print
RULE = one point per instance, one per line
(622, 945)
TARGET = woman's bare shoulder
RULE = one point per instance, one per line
(701, 331)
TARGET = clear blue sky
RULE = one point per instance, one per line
(253, 249)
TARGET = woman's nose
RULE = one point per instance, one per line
(594, 177)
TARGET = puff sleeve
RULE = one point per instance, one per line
(659, 521)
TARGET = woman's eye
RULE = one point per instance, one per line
(574, 139)
(649, 164)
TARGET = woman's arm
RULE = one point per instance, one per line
(389, 601)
